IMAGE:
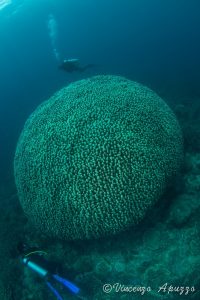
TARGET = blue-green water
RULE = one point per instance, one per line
(153, 42)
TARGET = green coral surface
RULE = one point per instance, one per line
(95, 157)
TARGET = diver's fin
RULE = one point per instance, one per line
(50, 286)
(82, 69)
(68, 284)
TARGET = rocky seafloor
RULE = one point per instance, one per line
(158, 259)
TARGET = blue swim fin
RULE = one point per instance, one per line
(72, 287)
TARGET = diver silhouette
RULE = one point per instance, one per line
(73, 65)
(33, 258)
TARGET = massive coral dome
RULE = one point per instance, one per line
(95, 157)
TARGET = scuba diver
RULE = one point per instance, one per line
(73, 65)
(33, 258)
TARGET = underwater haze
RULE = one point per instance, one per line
(153, 42)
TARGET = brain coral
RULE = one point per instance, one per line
(95, 157)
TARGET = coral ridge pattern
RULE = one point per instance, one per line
(93, 158)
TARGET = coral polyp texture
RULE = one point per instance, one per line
(95, 157)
